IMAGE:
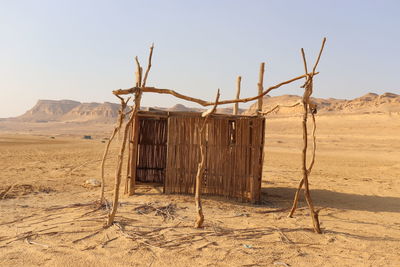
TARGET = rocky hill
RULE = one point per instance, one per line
(69, 111)
(369, 103)
(49, 110)
(106, 112)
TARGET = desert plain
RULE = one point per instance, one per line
(48, 216)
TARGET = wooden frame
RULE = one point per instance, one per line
(131, 130)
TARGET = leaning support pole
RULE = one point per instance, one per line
(260, 87)
(140, 82)
(297, 194)
(121, 117)
(118, 171)
(314, 215)
(201, 166)
(308, 86)
(236, 105)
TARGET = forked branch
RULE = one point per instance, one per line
(308, 90)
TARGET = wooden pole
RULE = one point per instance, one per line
(133, 153)
(148, 66)
(201, 167)
(134, 150)
(236, 105)
(138, 73)
(306, 171)
(121, 118)
(117, 184)
(134, 118)
(129, 160)
(199, 175)
(260, 87)
(314, 215)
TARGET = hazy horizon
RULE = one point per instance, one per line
(83, 50)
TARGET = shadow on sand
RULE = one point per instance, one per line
(332, 199)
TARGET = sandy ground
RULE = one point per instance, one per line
(48, 217)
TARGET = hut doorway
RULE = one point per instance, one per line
(152, 150)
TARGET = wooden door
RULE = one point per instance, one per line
(152, 150)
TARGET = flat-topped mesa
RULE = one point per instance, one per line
(49, 110)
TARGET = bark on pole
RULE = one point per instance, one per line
(236, 105)
(201, 167)
(260, 87)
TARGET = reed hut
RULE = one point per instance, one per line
(203, 153)
(168, 153)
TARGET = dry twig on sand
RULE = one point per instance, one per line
(29, 242)
(137, 238)
(167, 212)
(7, 191)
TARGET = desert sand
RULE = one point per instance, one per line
(48, 217)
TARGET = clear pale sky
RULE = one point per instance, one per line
(82, 50)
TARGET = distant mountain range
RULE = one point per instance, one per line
(74, 111)
(369, 103)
